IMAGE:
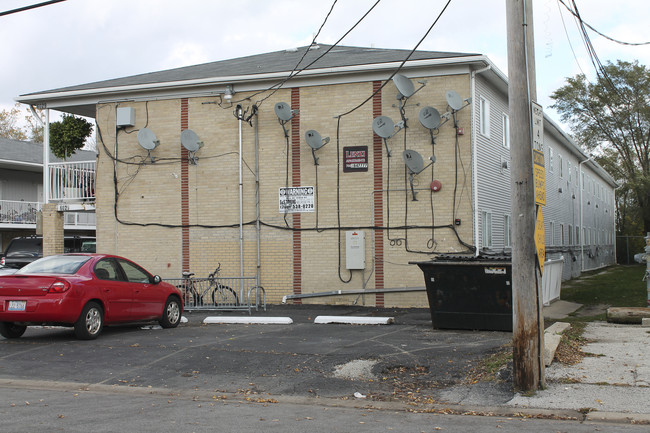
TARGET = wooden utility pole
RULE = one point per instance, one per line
(527, 337)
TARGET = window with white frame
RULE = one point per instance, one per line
(550, 159)
(484, 116)
(575, 169)
(568, 170)
(506, 131)
(551, 227)
(570, 235)
(561, 165)
(487, 228)
(507, 231)
(562, 239)
(577, 235)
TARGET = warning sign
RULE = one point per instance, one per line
(540, 243)
(297, 199)
(539, 172)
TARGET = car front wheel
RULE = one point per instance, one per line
(11, 330)
(90, 322)
(171, 316)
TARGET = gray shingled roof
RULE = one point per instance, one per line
(278, 61)
(32, 153)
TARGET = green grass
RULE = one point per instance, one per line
(616, 286)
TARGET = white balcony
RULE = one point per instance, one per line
(72, 182)
(23, 214)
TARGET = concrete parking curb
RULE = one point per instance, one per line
(248, 320)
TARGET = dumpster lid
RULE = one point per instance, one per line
(467, 258)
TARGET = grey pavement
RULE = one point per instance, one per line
(404, 366)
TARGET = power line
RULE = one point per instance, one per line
(26, 8)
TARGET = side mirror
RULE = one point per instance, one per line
(156, 279)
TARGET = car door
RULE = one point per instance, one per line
(148, 301)
(116, 292)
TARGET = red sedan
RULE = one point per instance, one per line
(85, 291)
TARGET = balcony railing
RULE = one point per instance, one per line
(72, 181)
(22, 214)
(18, 212)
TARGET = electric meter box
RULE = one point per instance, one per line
(125, 116)
(355, 249)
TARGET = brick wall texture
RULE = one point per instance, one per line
(172, 216)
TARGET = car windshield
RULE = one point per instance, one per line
(55, 265)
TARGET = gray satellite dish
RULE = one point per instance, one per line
(404, 85)
(454, 100)
(383, 126)
(283, 111)
(413, 161)
(429, 117)
(314, 139)
(147, 139)
(190, 140)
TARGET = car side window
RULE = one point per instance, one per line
(134, 273)
(106, 270)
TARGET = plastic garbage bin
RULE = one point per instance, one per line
(469, 292)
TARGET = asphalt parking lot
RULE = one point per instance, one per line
(407, 360)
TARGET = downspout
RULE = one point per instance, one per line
(241, 205)
(582, 235)
(474, 157)
(257, 201)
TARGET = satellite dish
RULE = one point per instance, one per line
(314, 139)
(383, 126)
(429, 117)
(404, 85)
(454, 100)
(190, 140)
(413, 161)
(283, 111)
(147, 139)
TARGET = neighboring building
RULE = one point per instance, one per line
(21, 191)
(354, 224)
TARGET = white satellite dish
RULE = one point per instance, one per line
(429, 117)
(413, 161)
(190, 140)
(147, 139)
(404, 86)
(314, 139)
(454, 100)
(283, 111)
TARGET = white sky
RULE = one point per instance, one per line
(81, 41)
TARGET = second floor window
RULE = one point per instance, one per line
(484, 116)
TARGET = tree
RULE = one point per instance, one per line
(9, 121)
(612, 117)
(69, 135)
(8, 124)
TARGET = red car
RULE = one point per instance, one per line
(85, 291)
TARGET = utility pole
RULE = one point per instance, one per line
(527, 333)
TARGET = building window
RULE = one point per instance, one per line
(484, 116)
(487, 229)
(506, 131)
(562, 239)
(577, 235)
(570, 234)
(551, 231)
(550, 159)
(507, 231)
(575, 169)
(561, 165)
(568, 170)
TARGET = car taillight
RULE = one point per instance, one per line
(59, 286)
(2, 260)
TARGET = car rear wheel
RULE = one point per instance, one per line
(90, 323)
(11, 330)
(171, 314)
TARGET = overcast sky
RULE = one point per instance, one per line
(81, 41)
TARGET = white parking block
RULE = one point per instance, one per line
(354, 320)
(249, 320)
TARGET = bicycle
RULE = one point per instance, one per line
(220, 294)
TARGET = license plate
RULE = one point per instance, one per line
(17, 305)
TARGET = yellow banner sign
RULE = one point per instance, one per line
(540, 177)
(540, 243)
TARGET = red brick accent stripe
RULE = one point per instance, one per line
(185, 209)
(378, 169)
(295, 181)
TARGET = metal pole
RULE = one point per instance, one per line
(526, 338)
(647, 266)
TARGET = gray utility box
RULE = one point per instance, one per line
(469, 293)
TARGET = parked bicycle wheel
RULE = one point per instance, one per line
(190, 295)
(224, 296)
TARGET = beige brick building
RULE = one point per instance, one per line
(173, 211)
